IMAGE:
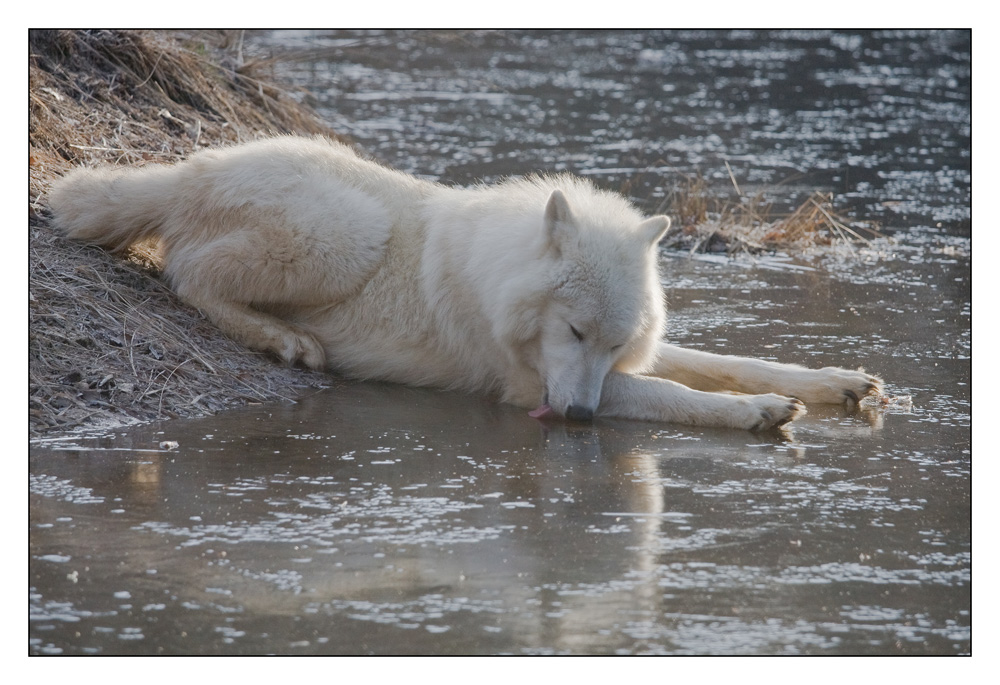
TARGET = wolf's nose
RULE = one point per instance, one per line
(575, 412)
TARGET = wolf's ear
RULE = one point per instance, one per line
(558, 220)
(654, 228)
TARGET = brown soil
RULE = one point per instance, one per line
(108, 342)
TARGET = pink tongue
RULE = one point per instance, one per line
(542, 411)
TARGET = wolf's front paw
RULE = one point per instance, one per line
(838, 386)
(772, 411)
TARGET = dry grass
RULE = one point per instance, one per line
(750, 224)
(108, 343)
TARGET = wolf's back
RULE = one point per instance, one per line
(113, 207)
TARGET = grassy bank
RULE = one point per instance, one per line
(108, 343)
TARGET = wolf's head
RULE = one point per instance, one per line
(605, 309)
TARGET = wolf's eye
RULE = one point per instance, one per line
(578, 334)
(616, 348)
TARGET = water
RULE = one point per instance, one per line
(881, 118)
(374, 518)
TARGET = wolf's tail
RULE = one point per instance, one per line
(114, 208)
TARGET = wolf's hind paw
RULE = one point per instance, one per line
(300, 348)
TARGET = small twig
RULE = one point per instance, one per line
(159, 408)
(118, 149)
(152, 71)
(838, 224)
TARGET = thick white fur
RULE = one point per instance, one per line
(543, 289)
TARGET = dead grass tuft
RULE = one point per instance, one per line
(704, 222)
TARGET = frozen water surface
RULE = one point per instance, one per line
(373, 518)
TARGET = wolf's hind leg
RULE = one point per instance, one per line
(252, 286)
(262, 332)
(717, 372)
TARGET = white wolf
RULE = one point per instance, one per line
(544, 290)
